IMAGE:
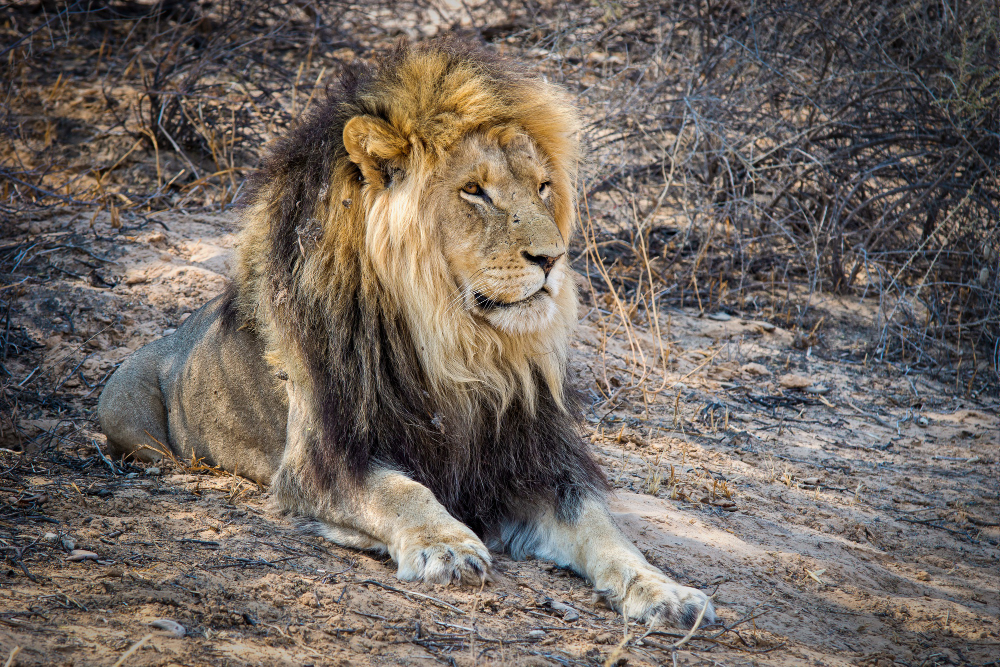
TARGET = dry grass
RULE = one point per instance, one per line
(744, 157)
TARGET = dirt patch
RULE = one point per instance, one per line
(850, 519)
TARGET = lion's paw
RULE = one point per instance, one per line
(653, 598)
(458, 557)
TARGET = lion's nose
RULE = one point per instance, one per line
(546, 262)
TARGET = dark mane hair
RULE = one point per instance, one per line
(304, 217)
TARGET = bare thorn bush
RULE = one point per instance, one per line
(743, 156)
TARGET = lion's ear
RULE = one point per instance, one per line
(376, 147)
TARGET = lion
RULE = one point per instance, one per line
(391, 354)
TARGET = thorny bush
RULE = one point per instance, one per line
(845, 147)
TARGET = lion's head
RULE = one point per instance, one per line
(493, 206)
(450, 174)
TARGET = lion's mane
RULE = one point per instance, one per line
(340, 272)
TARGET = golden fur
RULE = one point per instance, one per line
(430, 106)
(402, 269)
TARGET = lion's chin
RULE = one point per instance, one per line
(523, 317)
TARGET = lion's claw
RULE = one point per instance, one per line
(685, 611)
(462, 560)
(653, 598)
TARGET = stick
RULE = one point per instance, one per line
(694, 628)
(440, 603)
(135, 647)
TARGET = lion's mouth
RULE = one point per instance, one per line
(486, 303)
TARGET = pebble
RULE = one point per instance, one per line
(720, 316)
(819, 389)
(51, 538)
(153, 471)
(568, 613)
(78, 555)
(135, 277)
(171, 626)
(754, 369)
(131, 475)
(68, 543)
(792, 381)
(536, 634)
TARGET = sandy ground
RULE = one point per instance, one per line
(840, 512)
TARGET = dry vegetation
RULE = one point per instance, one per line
(827, 170)
(743, 157)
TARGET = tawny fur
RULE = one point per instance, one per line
(391, 355)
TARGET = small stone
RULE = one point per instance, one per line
(536, 635)
(819, 389)
(720, 316)
(171, 626)
(568, 613)
(791, 381)
(153, 471)
(68, 543)
(34, 228)
(135, 277)
(79, 555)
(51, 538)
(754, 369)
(131, 475)
(167, 332)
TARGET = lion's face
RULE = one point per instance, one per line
(495, 211)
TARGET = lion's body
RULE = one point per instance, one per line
(206, 393)
(391, 358)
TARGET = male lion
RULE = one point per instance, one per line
(391, 356)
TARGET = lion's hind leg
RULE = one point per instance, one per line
(132, 410)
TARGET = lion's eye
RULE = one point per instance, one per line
(472, 188)
(543, 189)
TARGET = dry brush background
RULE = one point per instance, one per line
(764, 161)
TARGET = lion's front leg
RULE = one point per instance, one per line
(593, 546)
(387, 511)
(391, 512)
